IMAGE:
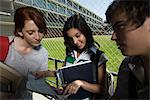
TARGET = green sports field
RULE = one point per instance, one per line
(56, 49)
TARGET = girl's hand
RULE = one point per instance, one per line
(73, 87)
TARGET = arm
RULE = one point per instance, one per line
(73, 87)
(48, 73)
(43, 71)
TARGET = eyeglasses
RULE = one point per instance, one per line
(122, 26)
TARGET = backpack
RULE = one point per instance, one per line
(4, 47)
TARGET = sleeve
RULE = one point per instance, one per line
(102, 59)
(44, 62)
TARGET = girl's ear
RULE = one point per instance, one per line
(148, 23)
(20, 33)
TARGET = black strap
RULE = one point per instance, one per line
(11, 41)
(132, 86)
(95, 60)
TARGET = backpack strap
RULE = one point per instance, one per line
(4, 47)
(95, 54)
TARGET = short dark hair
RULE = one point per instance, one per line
(78, 22)
(28, 13)
(136, 10)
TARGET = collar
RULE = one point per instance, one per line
(85, 55)
(136, 66)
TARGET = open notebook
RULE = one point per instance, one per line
(42, 87)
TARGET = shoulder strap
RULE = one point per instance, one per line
(95, 54)
(4, 47)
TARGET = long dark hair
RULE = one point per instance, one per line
(77, 21)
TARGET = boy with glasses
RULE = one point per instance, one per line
(130, 20)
